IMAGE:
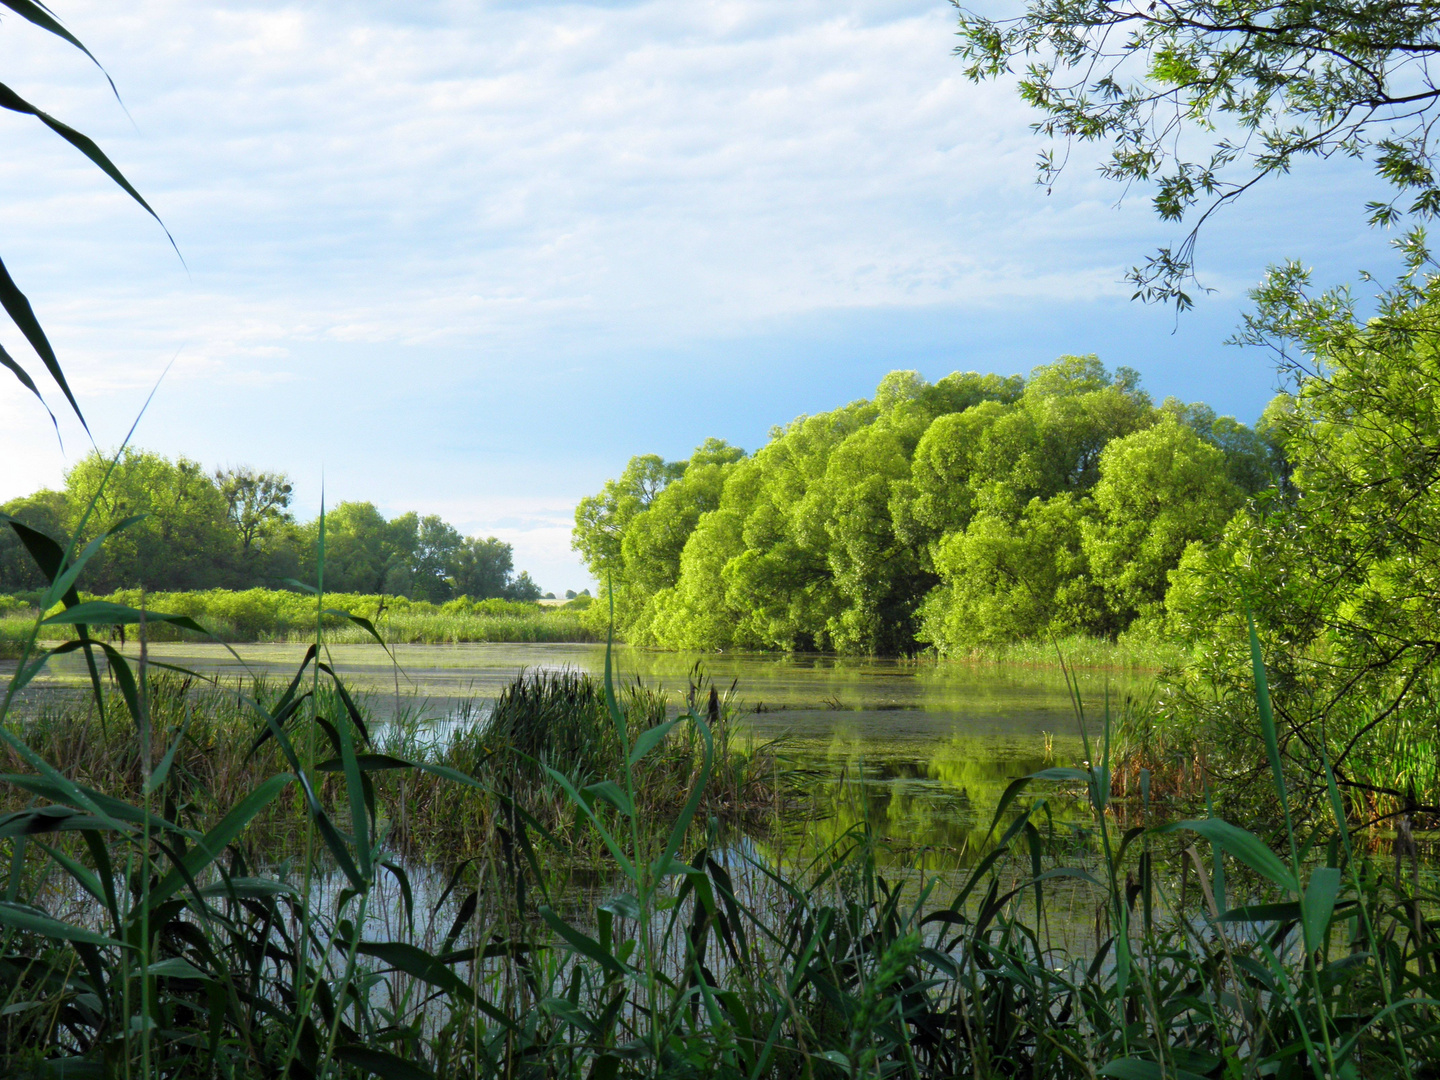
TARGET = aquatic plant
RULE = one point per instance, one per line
(140, 943)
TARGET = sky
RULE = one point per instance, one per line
(467, 257)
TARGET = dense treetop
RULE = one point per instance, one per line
(234, 529)
(974, 510)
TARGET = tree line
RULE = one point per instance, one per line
(233, 528)
(971, 511)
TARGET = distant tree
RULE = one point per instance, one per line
(656, 533)
(955, 513)
(184, 538)
(601, 520)
(569, 594)
(1160, 490)
(258, 507)
(1005, 579)
(43, 511)
(436, 561)
(522, 588)
(482, 568)
(364, 553)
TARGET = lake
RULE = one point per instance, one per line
(931, 744)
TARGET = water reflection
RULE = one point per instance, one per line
(927, 802)
(929, 745)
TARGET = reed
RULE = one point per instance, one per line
(1079, 651)
(142, 936)
(275, 615)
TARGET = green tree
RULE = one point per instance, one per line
(601, 520)
(927, 508)
(1341, 572)
(436, 560)
(1160, 490)
(257, 504)
(654, 537)
(364, 553)
(482, 568)
(183, 538)
(1206, 98)
(1007, 579)
(522, 588)
(44, 511)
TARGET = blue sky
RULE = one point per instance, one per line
(468, 257)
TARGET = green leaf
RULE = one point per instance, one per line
(1137, 1069)
(50, 819)
(612, 793)
(1262, 701)
(210, 846)
(1319, 905)
(18, 308)
(1255, 913)
(381, 1063)
(583, 806)
(31, 920)
(359, 815)
(161, 771)
(41, 17)
(177, 967)
(71, 1068)
(418, 963)
(581, 943)
(24, 376)
(14, 102)
(692, 804)
(1242, 846)
(649, 739)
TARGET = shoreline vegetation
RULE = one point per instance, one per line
(551, 893)
(269, 616)
(282, 616)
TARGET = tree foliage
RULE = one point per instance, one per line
(1340, 568)
(977, 509)
(233, 529)
(1205, 98)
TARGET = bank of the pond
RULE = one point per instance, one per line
(920, 751)
(619, 933)
(261, 616)
(277, 615)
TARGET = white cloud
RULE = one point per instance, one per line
(387, 209)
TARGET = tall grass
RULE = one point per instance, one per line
(275, 615)
(1079, 651)
(554, 718)
(142, 936)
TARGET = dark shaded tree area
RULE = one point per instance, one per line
(973, 511)
(233, 529)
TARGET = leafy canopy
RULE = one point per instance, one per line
(978, 509)
(1205, 98)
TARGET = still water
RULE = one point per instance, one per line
(928, 745)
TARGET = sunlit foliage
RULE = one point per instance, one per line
(974, 511)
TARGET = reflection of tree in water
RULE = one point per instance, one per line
(936, 808)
